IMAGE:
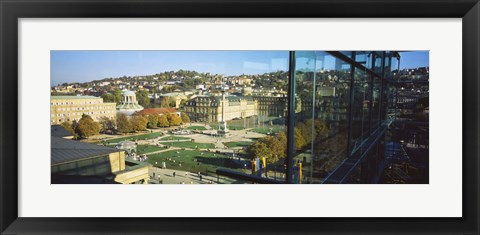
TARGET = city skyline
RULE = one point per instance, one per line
(86, 66)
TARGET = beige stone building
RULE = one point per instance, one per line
(209, 108)
(71, 108)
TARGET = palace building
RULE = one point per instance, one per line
(209, 108)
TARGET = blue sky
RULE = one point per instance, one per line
(84, 66)
(414, 59)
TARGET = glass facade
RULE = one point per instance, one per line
(344, 106)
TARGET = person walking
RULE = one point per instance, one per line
(174, 174)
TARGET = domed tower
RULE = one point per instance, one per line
(129, 103)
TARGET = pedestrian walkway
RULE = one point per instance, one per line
(184, 177)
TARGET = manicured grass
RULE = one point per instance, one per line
(238, 144)
(267, 130)
(196, 128)
(141, 149)
(135, 137)
(174, 138)
(189, 144)
(192, 161)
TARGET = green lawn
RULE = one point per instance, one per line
(174, 138)
(141, 149)
(267, 130)
(189, 144)
(133, 138)
(238, 144)
(192, 161)
(196, 128)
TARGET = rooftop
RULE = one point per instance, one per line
(63, 97)
(157, 111)
(60, 131)
(64, 150)
(128, 93)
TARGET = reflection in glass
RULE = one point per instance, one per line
(321, 123)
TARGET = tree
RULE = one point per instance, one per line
(142, 98)
(281, 145)
(298, 140)
(108, 98)
(123, 123)
(69, 127)
(87, 127)
(152, 121)
(163, 121)
(107, 124)
(259, 149)
(139, 123)
(117, 95)
(305, 131)
(174, 120)
(185, 118)
(275, 146)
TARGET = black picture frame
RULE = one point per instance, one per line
(12, 10)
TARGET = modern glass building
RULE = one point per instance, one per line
(352, 117)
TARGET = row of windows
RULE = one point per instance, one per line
(81, 113)
(85, 108)
(84, 102)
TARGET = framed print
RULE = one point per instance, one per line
(239, 117)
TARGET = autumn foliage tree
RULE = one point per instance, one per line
(139, 123)
(273, 148)
(69, 127)
(185, 118)
(123, 123)
(107, 124)
(152, 121)
(174, 120)
(87, 127)
(163, 121)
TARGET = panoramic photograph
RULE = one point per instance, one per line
(239, 117)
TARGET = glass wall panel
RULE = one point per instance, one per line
(347, 53)
(377, 83)
(378, 62)
(321, 127)
(384, 100)
(364, 58)
(387, 65)
(360, 107)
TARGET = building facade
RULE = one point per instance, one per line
(209, 108)
(71, 108)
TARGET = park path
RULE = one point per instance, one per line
(184, 177)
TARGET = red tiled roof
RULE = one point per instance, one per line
(157, 111)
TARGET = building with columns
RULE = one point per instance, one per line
(129, 103)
